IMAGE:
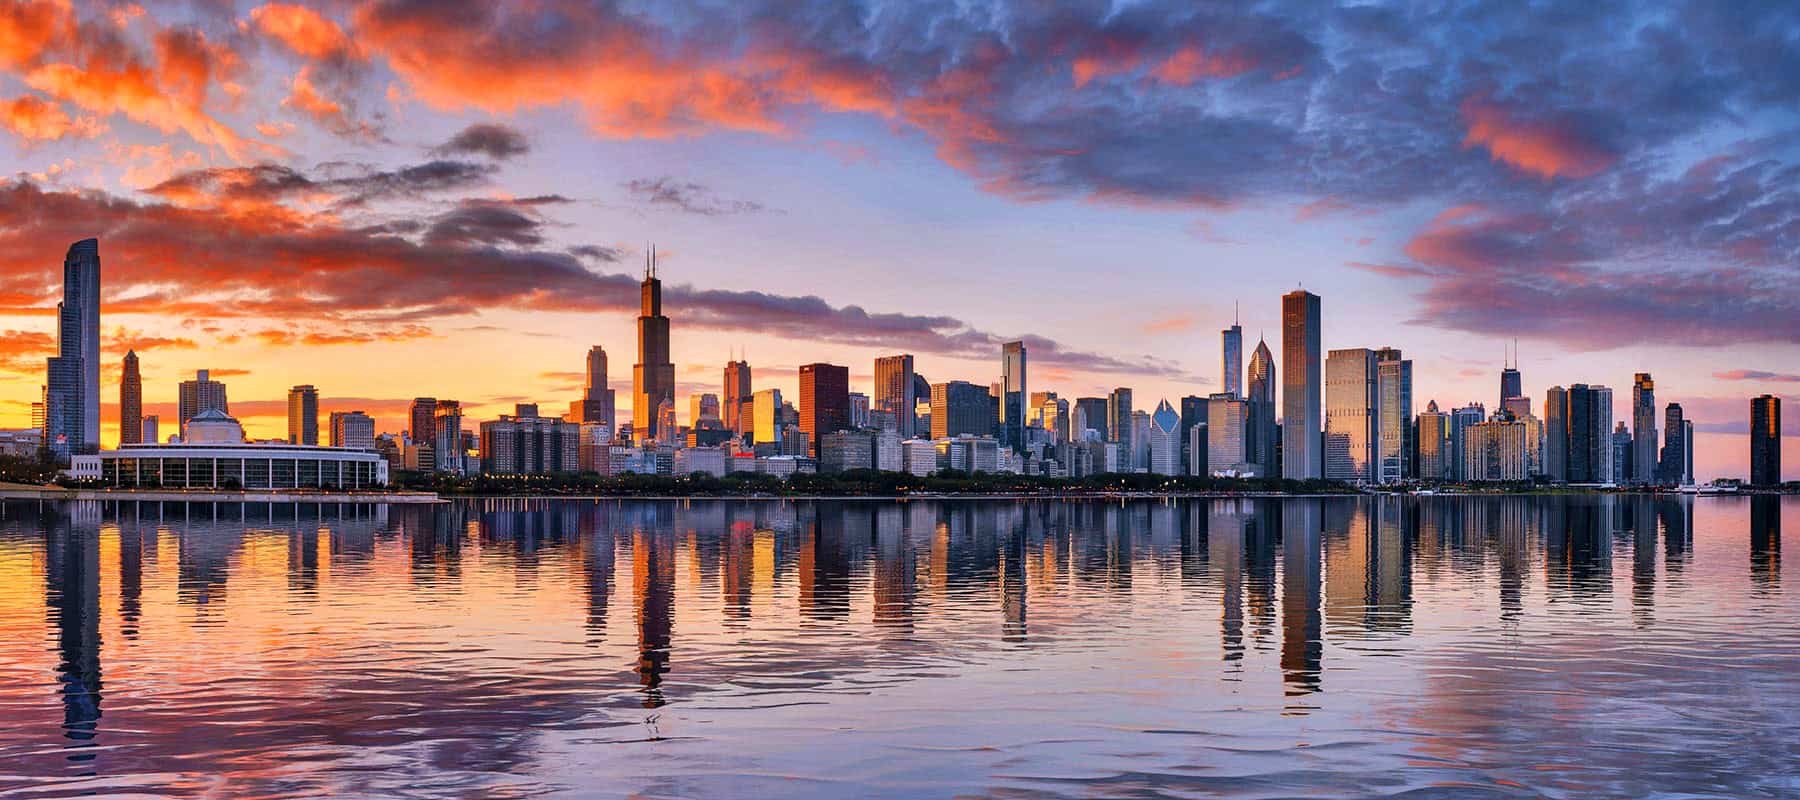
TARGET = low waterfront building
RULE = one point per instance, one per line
(846, 450)
(969, 453)
(920, 456)
(215, 456)
(708, 460)
(527, 444)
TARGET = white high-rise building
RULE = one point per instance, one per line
(1165, 440)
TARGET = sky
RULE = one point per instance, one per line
(452, 199)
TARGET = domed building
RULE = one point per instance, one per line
(215, 455)
(213, 426)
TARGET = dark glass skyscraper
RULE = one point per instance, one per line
(1013, 395)
(1765, 440)
(1673, 466)
(824, 401)
(596, 404)
(1118, 417)
(1260, 436)
(653, 376)
(1092, 413)
(72, 385)
(1232, 360)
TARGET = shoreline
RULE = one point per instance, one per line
(57, 493)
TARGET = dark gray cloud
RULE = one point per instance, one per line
(693, 198)
(348, 185)
(490, 139)
(390, 280)
(1606, 146)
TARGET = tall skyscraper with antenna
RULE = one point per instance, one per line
(1511, 385)
(653, 376)
(1232, 380)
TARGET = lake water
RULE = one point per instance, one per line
(1569, 647)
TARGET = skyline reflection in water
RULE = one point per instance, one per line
(1564, 646)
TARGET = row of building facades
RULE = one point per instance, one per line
(1347, 415)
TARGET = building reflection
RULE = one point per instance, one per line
(653, 594)
(1578, 548)
(1765, 541)
(72, 607)
(1302, 645)
(1227, 525)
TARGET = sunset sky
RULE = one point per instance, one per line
(447, 198)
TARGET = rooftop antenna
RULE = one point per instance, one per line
(1234, 313)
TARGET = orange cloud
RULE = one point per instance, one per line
(305, 32)
(34, 119)
(1179, 324)
(288, 338)
(23, 352)
(1190, 64)
(1541, 147)
(46, 45)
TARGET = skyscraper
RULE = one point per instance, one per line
(1434, 444)
(131, 401)
(200, 394)
(1012, 395)
(352, 429)
(1765, 440)
(737, 392)
(1225, 425)
(1301, 458)
(1090, 414)
(1589, 456)
(1232, 367)
(303, 415)
(1510, 384)
(1672, 467)
(653, 376)
(1165, 440)
(1393, 416)
(704, 410)
(824, 401)
(1259, 429)
(1643, 429)
(420, 418)
(1687, 448)
(1193, 412)
(1350, 405)
(765, 422)
(72, 389)
(1556, 434)
(1118, 418)
(896, 392)
(447, 442)
(957, 408)
(597, 397)
(1460, 420)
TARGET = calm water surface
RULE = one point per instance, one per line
(1439, 647)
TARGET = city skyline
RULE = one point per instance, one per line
(527, 213)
